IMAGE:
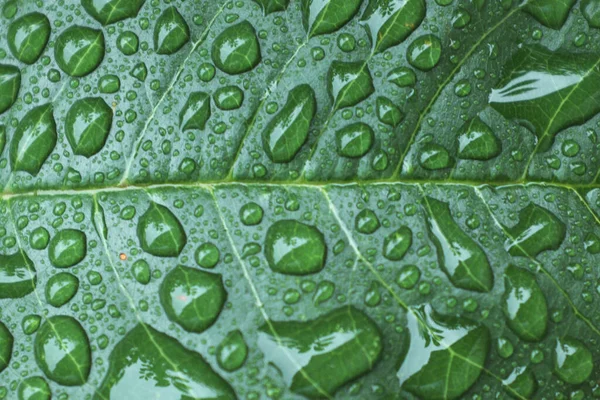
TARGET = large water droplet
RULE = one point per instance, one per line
(550, 13)
(232, 351)
(10, 83)
(192, 298)
(477, 141)
(366, 222)
(160, 232)
(521, 383)
(537, 230)
(573, 362)
(87, 125)
(34, 140)
(354, 140)
(389, 23)
(161, 368)
(524, 304)
(79, 50)
(6, 346)
(388, 113)
(62, 351)
(110, 11)
(433, 157)
(236, 49)
(229, 97)
(34, 388)
(17, 275)
(424, 52)
(349, 83)
(345, 342)
(455, 345)
(461, 258)
(196, 111)
(288, 130)
(397, 243)
(67, 248)
(327, 16)
(28, 36)
(271, 6)
(171, 32)
(61, 288)
(294, 248)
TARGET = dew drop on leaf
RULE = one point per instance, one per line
(61, 288)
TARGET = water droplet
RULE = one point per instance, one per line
(294, 248)
(232, 351)
(17, 276)
(366, 222)
(402, 77)
(229, 97)
(33, 140)
(171, 32)
(34, 388)
(324, 292)
(455, 345)
(424, 52)
(549, 12)
(373, 297)
(346, 42)
(6, 346)
(573, 362)
(61, 288)
(160, 232)
(591, 11)
(87, 125)
(408, 277)
(192, 298)
(345, 341)
(354, 140)
(537, 230)
(327, 16)
(387, 112)
(28, 36)
(397, 243)
(505, 347)
(109, 84)
(477, 141)
(524, 304)
(349, 83)
(251, 214)
(62, 351)
(67, 248)
(39, 238)
(389, 23)
(140, 72)
(461, 18)
(110, 11)
(189, 377)
(236, 50)
(10, 83)
(31, 323)
(196, 111)
(434, 156)
(207, 255)
(128, 43)
(521, 382)
(461, 258)
(79, 50)
(592, 243)
(141, 271)
(288, 130)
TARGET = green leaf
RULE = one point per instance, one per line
(316, 199)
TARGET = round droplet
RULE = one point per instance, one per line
(294, 248)
(79, 50)
(236, 50)
(61, 288)
(505, 347)
(171, 32)
(67, 248)
(39, 238)
(366, 222)
(251, 214)
(207, 255)
(87, 125)
(141, 271)
(424, 52)
(229, 98)
(232, 351)
(28, 36)
(396, 244)
(160, 232)
(346, 42)
(109, 84)
(573, 362)
(408, 277)
(434, 156)
(34, 388)
(192, 298)
(354, 140)
(62, 351)
(461, 18)
(128, 42)
(570, 148)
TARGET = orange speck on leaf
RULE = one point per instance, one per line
(123, 256)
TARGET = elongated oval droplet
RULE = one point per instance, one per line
(34, 140)
(327, 16)
(232, 351)
(573, 362)
(10, 84)
(460, 257)
(294, 248)
(143, 350)
(6, 346)
(236, 50)
(62, 351)
(397, 243)
(196, 111)
(28, 36)
(192, 298)
(389, 23)
(67, 248)
(61, 288)
(18, 277)
(288, 130)
(79, 50)
(87, 125)
(349, 83)
(354, 140)
(110, 11)
(171, 32)
(524, 304)
(345, 342)
(160, 232)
